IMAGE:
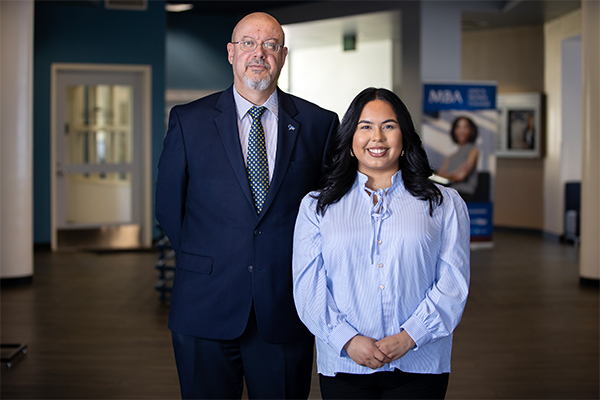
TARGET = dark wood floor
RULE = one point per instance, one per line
(95, 328)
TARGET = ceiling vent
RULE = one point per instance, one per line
(139, 5)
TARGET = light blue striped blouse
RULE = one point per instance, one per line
(360, 271)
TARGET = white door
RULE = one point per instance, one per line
(100, 157)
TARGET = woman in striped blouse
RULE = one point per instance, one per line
(381, 260)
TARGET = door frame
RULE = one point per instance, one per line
(146, 130)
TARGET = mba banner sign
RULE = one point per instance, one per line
(459, 130)
(437, 97)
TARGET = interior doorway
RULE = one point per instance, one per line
(100, 157)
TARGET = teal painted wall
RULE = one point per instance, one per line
(86, 32)
(197, 51)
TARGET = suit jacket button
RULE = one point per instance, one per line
(257, 232)
(250, 268)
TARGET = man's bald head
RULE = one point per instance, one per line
(257, 54)
(258, 19)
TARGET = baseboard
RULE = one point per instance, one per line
(42, 247)
(589, 282)
(12, 282)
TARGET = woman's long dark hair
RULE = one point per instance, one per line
(414, 164)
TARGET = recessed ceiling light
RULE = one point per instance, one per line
(178, 7)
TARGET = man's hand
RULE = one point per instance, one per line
(395, 346)
(364, 352)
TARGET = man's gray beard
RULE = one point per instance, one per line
(259, 85)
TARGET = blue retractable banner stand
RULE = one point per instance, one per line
(438, 97)
(459, 129)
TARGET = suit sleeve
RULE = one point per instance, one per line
(171, 184)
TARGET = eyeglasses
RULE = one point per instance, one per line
(251, 45)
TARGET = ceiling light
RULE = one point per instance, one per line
(178, 7)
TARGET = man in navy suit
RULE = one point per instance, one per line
(232, 314)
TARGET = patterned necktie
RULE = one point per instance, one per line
(258, 166)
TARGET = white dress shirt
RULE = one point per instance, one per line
(375, 270)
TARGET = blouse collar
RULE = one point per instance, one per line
(397, 182)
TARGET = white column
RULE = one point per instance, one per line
(555, 32)
(429, 50)
(16, 139)
(589, 267)
(406, 60)
(441, 33)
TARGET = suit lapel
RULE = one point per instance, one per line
(228, 129)
(287, 132)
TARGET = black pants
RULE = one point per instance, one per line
(216, 369)
(384, 385)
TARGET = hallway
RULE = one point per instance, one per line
(95, 327)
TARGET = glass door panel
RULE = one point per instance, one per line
(98, 124)
(100, 175)
(97, 163)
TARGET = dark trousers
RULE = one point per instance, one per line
(215, 369)
(384, 385)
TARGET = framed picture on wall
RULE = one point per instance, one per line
(520, 127)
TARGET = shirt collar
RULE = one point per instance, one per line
(397, 181)
(242, 105)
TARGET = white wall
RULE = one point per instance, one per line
(319, 70)
(332, 77)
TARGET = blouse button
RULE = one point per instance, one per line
(380, 265)
(381, 287)
(379, 242)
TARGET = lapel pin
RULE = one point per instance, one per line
(291, 128)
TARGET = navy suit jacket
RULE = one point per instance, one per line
(228, 256)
